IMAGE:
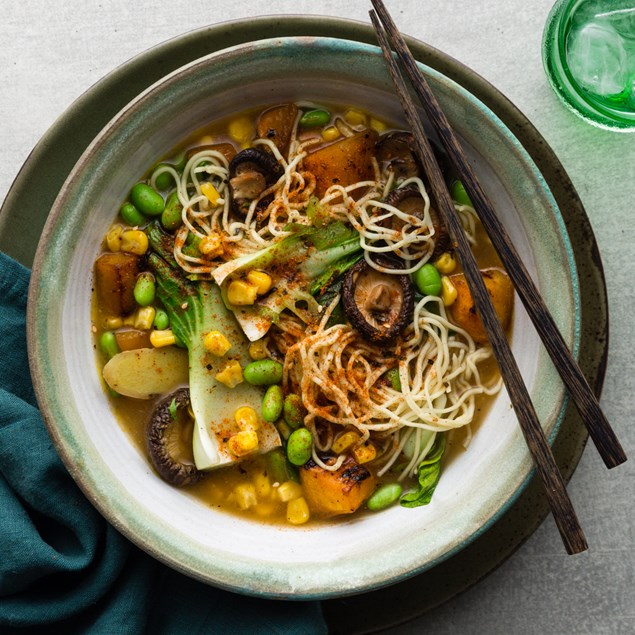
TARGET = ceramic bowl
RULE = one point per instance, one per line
(352, 555)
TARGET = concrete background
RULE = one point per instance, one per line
(51, 52)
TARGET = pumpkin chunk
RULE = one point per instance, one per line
(463, 311)
(131, 339)
(276, 124)
(115, 277)
(344, 162)
(339, 492)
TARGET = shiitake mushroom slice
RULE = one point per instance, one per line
(164, 440)
(378, 305)
(251, 172)
(397, 149)
(409, 200)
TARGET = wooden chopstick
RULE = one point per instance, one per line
(585, 400)
(555, 489)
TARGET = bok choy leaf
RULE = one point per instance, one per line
(195, 309)
(301, 265)
(428, 475)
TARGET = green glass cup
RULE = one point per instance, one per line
(588, 51)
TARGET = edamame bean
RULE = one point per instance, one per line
(294, 411)
(428, 280)
(299, 446)
(171, 217)
(146, 199)
(108, 344)
(272, 403)
(385, 496)
(131, 215)
(459, 195)
(161, 320)
(264, 372)
(392, 376)
(165, 179)
(180, 162)
(279, 468)
(314, 119)
(144, 289)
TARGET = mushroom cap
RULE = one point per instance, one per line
(398, 149)
(378, 305)
(158, 433)
(251, 171)
(253, 159)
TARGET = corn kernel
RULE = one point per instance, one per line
(206, 140)
(159, 339)
(243, 442)
(216, 343)
(129, 320)
(241, 129)
(289, 491)
(355, 117)
(246, 418)
(210, 192)
(245, 495)
(241, 293)
(344, 441)
(134, 241)
(377, 125)
(113, 238)
(365, 453)
(144, 318)
(211, 245)
(231, 374)
(258, 350)
(112, 323)
(448, 291)
(261, 280)
(446, 263)
(262, 484)
(297, 511)
(330, 134)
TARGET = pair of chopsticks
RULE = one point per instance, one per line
(597, 425)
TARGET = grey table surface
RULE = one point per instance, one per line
(52, 51)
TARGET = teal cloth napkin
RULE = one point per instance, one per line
(63, 567)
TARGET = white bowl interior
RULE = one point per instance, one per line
(332, 559)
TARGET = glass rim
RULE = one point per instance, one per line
(580, 101)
